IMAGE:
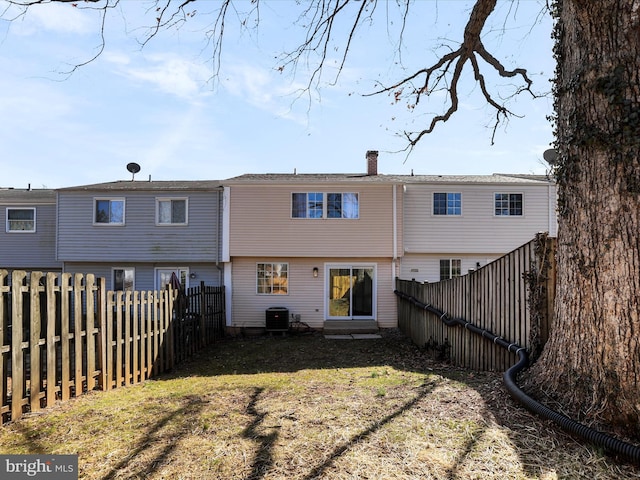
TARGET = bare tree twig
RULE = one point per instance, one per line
(320, 19)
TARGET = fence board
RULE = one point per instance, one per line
(494, 298)
(17, 358)
(5, 348)
(62, 335)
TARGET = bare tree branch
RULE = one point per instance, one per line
(320, 19)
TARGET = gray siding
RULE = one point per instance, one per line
(145, 273)
(29, 250)
(139, 239)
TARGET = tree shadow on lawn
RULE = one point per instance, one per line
(529, 435)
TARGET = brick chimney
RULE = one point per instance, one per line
(372, 162)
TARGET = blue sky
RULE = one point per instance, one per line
(158, 106)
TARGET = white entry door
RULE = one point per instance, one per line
(351, 292)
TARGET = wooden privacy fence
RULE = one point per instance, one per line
(511, 297)
(62, 335)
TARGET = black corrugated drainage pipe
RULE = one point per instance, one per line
(609, 443)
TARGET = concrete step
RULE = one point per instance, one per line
(347, 327)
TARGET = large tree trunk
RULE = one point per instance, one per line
(591, 363)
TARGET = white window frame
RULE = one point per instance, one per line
(450, 260)
(181, 272)
(508, 215)
(8, 228)
(271, 289)
(172, 199)
(125, 269)
(109, 199)
(325, 205)
(446, 214)
(352, 266)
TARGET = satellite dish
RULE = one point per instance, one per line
(550, 156)
(133, 168)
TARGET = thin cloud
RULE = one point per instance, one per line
(167, 73)
(262, 89)
(56, 18)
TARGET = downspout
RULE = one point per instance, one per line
(219, 236)
(394, 255)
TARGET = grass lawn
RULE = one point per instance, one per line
(305, 407)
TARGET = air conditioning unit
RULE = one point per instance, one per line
(277, 319)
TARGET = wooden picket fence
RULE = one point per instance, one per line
(64, 334)
(511, 297)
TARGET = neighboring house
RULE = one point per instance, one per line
(323, 246)
(137, 233)
(455, 224)
(27, 241)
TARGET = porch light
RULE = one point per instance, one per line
(315, 272)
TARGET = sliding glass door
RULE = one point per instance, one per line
(351, 292)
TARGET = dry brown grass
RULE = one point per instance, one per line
(304, 407)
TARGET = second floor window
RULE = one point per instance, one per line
(342, 205)
(449, 268)
(307, 205)
(21, 220)
(447, 204)
(508, 204)
(325, 205)
(109, 211)
(172, 211)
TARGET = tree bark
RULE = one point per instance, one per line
(591, 363)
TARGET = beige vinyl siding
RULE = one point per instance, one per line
(306, 293)
(261, 223)
(426, 267)
(477, 229)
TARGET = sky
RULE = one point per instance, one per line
(163, 107)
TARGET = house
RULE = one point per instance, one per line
(136, 234)
(454, 224)
(325, 247)
(27, 241)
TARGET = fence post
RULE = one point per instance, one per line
(203, 310)
(90, 330)
(34, 341)
(128, 373)
(17, 357)
(4, 322)
(51, 338)
(77, 332)
(101, 301)
(64, 336)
